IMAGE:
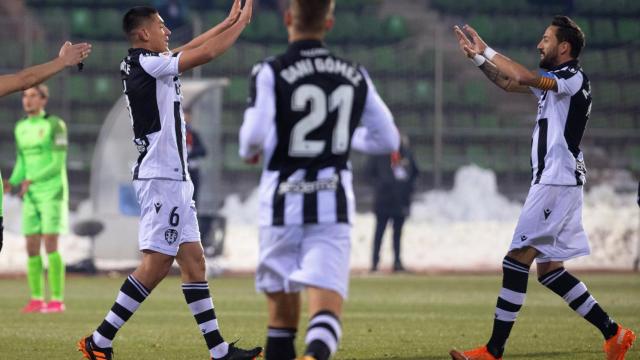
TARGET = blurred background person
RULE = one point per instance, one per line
(393, 177)
(195, 151)
(40, 173)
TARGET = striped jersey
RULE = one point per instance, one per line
(151, 87)
(556, 158)
(305, 108)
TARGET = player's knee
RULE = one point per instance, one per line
(193, 268)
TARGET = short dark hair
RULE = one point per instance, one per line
(135, 17)
(567, 30)
(309, 15)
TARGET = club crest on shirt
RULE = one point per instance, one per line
(170, 236)
(158, 206)
(547, 212)
(523, 238)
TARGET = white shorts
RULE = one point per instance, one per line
(167, 215)
(294, 256)
(551, 222)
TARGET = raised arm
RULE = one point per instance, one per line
(213, 46)
(259, 118)
(233, 17)
(69, 55)
(511, 69)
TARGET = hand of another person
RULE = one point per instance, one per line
(24, 187)
(253, 160)
(234, 13)
(73, 54)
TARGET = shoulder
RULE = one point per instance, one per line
(567, 72)
(56, 121)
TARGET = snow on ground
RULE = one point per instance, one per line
(466, 228)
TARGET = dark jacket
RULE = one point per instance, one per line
(393, 186)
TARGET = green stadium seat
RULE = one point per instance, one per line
(424, 94)
(484, 25)
(82, 22)
(634, 153)
(384, 59)
(475, 93)
(459, 120)
(604, 33)
(488, 121)
(594, 62)
(630, 93)
(424, 157)
(477, 154)
(623, 121)
(77, 88)
(395, 28)
(607, 93)
(618, 61)
(107, 24)
(451, 96)
(238, 90)
(629, 30)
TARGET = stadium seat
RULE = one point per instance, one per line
(634, 153)
(238, 90)
(487, 121)
(82, 22)
(424, 92)
(629, 30)
(604, 33)
(475, 93)
(395, 28)
(77, 87)
(618, 61)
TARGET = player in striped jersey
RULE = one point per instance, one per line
(168, 224)
(550, 229)
(305, 107)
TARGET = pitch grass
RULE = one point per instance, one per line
(387, 317)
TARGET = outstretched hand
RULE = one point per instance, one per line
(234, 13)
(246, 12)
(478, 44)
(466, 46)
(73, 54)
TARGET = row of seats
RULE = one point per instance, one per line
(528, 30)
(267, 26)
(536, 7)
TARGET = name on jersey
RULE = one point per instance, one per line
(329, 65)
(308, 187)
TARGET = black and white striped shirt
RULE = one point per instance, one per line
(151, 86)
(304, 110)
(556, 158)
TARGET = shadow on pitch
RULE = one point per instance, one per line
(545, 355)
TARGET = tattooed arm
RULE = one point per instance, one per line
(491, 71)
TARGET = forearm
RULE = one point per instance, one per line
(54, 168)
(252, 135)
(30, 77)
(513, 70)
(17, 175)
(204, 37)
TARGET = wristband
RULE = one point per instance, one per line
(478, 60)
(489, 53)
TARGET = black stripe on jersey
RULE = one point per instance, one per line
(278, 202)
(577, 118)
(342, 211)
(310, 201)
(176, 115)
(542, 147)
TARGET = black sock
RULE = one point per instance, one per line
(515, 276)
(280, 344)
(323, 335)
(575, 293)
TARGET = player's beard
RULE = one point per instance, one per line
(548, 60)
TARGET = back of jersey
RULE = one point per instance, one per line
(319, 103)
(309, 102)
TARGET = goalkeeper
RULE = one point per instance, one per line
(40, 174)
